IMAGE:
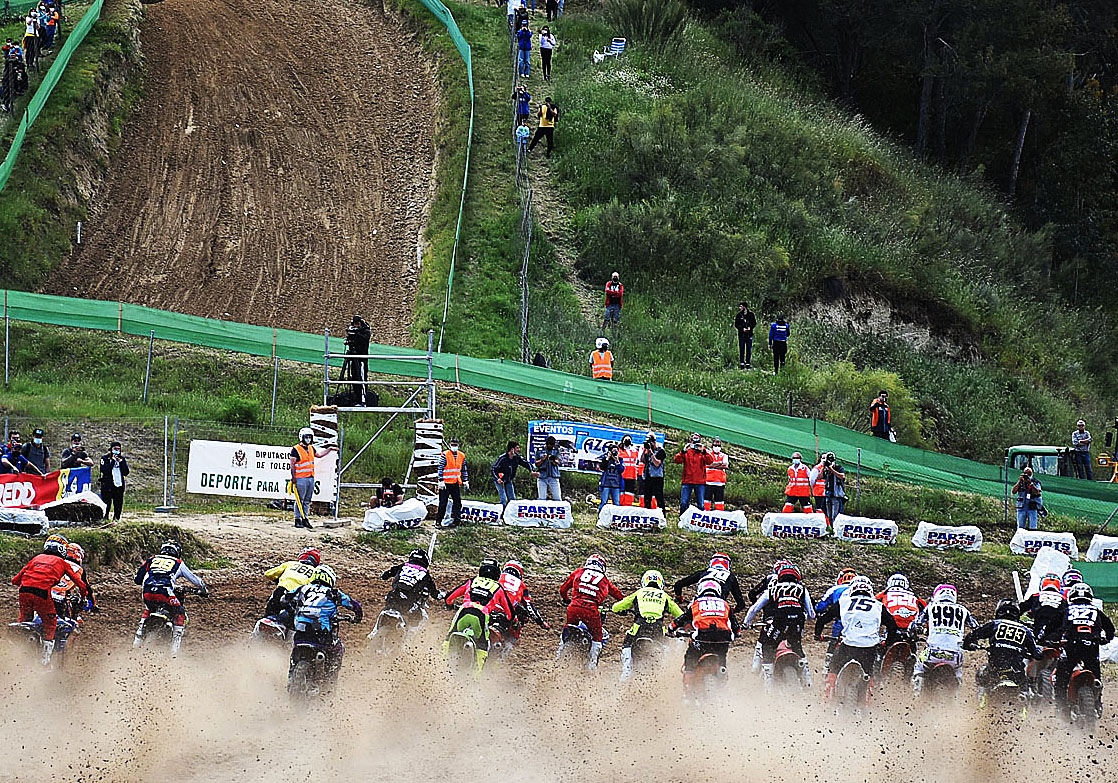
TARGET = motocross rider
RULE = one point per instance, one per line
(791, 608)
(316, 606)
(512, 580)
(481, 595)
(1011, 643)
(719, 570)
(648, 604)
(901, 602)
(412, 583)
(1049, 609)
(67, 601)
(946, 620)
(157, 577)
(1086, 628)
(829, 599)
(714, 626)
(583, 592)
(35, 581)
(862, 618)
(290, 576)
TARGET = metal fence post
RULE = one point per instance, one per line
(275, 380)
(174, 446)
(7, 337)
(147, 373)
(430, 374)
(858, 484)
(163, 509)
(326, 366)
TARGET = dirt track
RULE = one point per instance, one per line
(278, 171)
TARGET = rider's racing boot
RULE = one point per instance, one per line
(48, 651)
(139, 638)
(595, 651)
(756, 657)
(176, 638)
(626, 663)
(767, 676)
(805, 672)
(917, 685)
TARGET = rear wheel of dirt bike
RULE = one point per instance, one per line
(299, 682)
(467, 657)
(1086, 701)
(851, 686)
(1045, 689)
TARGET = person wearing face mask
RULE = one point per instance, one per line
(631, 470)
(302, 456)
(612, 479)
(453, 478)
(37, 453)
(114, 468)
(11, 455)
(798, 489)
(716, 478)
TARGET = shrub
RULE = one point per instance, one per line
(647, 21)
(238, 410)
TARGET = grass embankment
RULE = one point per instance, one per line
(45, 196)
(704, 180)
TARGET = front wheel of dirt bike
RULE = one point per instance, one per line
(299, 681)
(1086, 701)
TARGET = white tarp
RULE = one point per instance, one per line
(776, 525)
(24, 521)
(631, 518)
(1108, 653)
(863, 530)
(410, 513)
(723, 523)
(539, 513)
(1047, 561)
(1029, 542)
(1103, 549)
(252, 470)
(929, 536)
(475, 512)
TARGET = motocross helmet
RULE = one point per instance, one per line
(489, 569)
(897, 582)
(514, 568)
(171, 549)
(720, 560)
(1051, 582)
(860, 585)
(1071, 577)
(845, 576)
(652, 578)
(1081, 593)
(596, 563)
(788, 573)
(708, 587)
(310, 555)
(1007, 610)
(779, 564)
(418, 557)
(945, 594)
(324, 575)
(76, 553)
(56, 545)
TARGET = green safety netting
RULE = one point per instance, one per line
(1103, 578)
(769, 433)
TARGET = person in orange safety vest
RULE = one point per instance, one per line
(632, 469)
(601, 361)
(798, 489)
(715, 497)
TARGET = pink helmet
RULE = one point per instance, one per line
(945, 594)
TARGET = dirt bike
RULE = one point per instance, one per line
(32, 631)
(787, 672)
(574, 643)
(1040, 673)
(501, 636)
(852, 687)
(709, 675)
(1084, 699)
(899, 661)
(271, 631)
(159, 625)
(391, 629)
(309, 672)
(649, 648)
(940, 680)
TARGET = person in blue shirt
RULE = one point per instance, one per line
(845, 577)
(778, 342)
(524, 45)
(612, 477)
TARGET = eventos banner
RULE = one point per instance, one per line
(775, 525)
(251, 470)
(24, 490)
(865, 531)
(1029, 542)
(581, 445)
(475, 512)
(631, 518)
(929, 536)
(539, 513)
(719, 523)
(1103, 549)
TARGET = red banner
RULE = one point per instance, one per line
(23, 490)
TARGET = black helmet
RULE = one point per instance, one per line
(489, 569)
(418, 557)
(1007, 609)
(171, 549)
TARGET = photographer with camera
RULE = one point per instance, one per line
(694, 458)
(652, 462)
(612, 476)
(546, 463)
(833, 478)
(1030, 504)
(357, 336)
(881, 421)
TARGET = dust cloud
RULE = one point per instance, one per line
(222, 714)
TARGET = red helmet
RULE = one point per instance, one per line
(596, 562)
(846, 576)
(787, 573)
(1051, 582)
(720, 560)
(514, 568)
(310, 555)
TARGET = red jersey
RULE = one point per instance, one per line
(903, 605)
(45, 571)
(484, 593)
(590, 588)
(515, 587)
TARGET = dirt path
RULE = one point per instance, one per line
(278, 171)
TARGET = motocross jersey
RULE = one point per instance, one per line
(862, 617)
(160, 572)
(648, 605)
(1048, 608)
(1086, 624)
(484, 594)
(588, 588)
(902, 604)
(830, 598)
(724, 577)
(43, 572)
(411, 580)
(291, 575)
(711, 618)
(1011, 643)
(788, 602)
(61, 592)
(946, 623)
(317, 606)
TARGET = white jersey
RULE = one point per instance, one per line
(947, 624)
(861, 620)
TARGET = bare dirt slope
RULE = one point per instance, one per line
(277, 172)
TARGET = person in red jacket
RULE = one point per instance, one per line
(35, 581)
(584, 591)
(694, 458)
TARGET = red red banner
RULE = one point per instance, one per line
(23, 490)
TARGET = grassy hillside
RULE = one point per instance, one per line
(704, 180)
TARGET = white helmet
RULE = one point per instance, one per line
(601, 343)
(306, 432)
(898, 582)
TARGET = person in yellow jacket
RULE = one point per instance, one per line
(302, 474)
(648, 605)
(290, 576)
(601, 361)
(453, 478)
(798, 489)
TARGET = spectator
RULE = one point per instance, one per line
(834, 486)
(615, 292)
(357, 337)
(1081, 450)
(504, 471)
(552, 8)
(694, 459)
(652, 456)
(779, 331)
(547, 470)
(612, 477)
(37, 453)
(51, 26)
(523, 100)
(715, 497)
(523, 133)
(601, 361)
(75, 456)
(630, 457)
(520, 18)
(11, 454)
(453, 478)
(1029, 499)
(881, 420)
(388, 494)
(302, 459)
(114, 469)
(510, 9)
(548, 115)
(31, 38)
(524, 47)
(798, 488)
(745, 322)
(548, 45)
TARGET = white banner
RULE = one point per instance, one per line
(407, 514)
(475, 511)
(324, 425)
(865, 531)
(929, 536)
(631, 518)
(720, 523)
(1029, 542)
(1103, 549)
(1048, 560)
(776, 525)
(539, 513)
(251, 470)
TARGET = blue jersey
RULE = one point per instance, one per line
(317, 606)
(779, 332)
(830, 598)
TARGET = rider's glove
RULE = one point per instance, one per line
(203, 592)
